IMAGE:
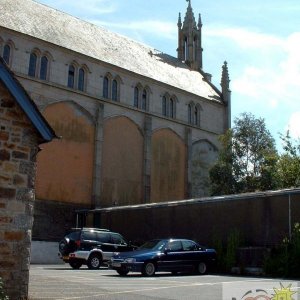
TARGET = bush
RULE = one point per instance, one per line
(2, 294)
(284, 260)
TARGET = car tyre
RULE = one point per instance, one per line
(202, 268)
(122, 272)
(75, 264)
(149, 269)
(94, 262)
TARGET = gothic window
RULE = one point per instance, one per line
(105, 87)
(171, 108)
(196, 115)
(44, 68)
(114, 91)
(71, 76)
(164, 106)
(81, 78)
(136, 97)
(195, 48)
(144, 100)
(194, 112)
(32, 65)
(190, 109)
(6, 54)
(186, 49)
(168, 106)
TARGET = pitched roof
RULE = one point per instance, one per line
(26, 103)
(48, 24)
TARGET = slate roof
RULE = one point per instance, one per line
(26, 103)
(48, 24)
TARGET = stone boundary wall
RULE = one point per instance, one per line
(18, 147)
(263, 219)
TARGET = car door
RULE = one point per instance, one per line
(119, 243)
(190, 254)
(171, 260)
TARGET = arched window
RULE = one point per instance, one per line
(136, 97)
(195, 48)
(81, 76)
(105, 87)
(71, 76)
(144, 100)
(44, 68)
(6, 54)
(196, 113)
(32, 65)
(186, 49)
(171, 108)
(164, 106)
(114, 90)
(190, 109)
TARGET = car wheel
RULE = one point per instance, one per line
(94, 262)
(75, 264)
(122, 272)
(201, 268)
(149, 269)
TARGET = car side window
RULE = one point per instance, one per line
(189, 246)
(175, 246)
(118, 239)
(103, 237)
(88, 236)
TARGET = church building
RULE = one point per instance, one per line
(136, 125)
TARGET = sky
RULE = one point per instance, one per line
(259, 39)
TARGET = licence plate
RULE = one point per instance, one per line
(116, 264)
(65, 257)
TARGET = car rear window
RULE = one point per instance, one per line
(75, 235)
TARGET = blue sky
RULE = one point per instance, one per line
(260, 40)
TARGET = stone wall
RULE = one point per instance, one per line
(18, 147)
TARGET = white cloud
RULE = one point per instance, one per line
(294, 125)
(272, 71)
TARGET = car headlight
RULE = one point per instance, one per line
(130, 260)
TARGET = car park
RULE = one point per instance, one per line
(91, 246)
(170, 255)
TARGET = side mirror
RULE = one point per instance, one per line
(167, 250)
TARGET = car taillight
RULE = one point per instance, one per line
(77, 243)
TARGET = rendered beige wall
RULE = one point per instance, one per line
(168, 166)
(65, 167)
(122, 163)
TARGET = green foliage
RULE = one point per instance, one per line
(288, 165)
(247, 159)
(227, 255)
(2, 294)
(284, 260)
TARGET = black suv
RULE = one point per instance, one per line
(91, 246)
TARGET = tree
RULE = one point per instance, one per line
(247, 160)
(289, 163)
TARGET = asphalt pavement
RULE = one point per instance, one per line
(61, 282)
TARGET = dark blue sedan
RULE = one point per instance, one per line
(167, 255)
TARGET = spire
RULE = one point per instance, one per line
(179, 24)
(225, 77)
(226, 94)
(199, 22)
(189, 39)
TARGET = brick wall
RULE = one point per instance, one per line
(18, 146)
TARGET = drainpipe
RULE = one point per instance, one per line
(290, 218)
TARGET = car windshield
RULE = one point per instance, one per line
(154, 245)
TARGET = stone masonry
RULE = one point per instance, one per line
(18, 148)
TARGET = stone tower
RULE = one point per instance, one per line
(189, 40)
